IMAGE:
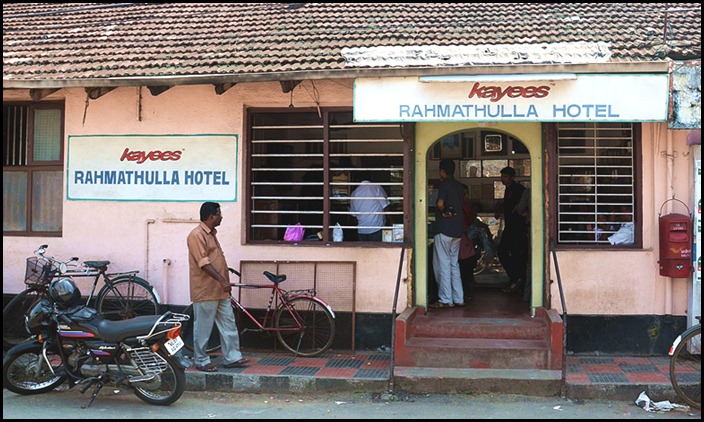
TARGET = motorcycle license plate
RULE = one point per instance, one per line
(174, 345)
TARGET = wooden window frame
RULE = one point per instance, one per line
(30, 166)
(550, 134)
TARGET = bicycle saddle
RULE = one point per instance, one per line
(275, 278)
(97, 264)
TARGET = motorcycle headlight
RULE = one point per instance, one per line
(38, 316)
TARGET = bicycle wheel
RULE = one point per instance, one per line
(305, 327)
(482, 262)
(127, 298)
(686, 369)
(14, 331)
(187, 333)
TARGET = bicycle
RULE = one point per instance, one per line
(486, 246)
(302, 322)
(686, 365)
(123, 296)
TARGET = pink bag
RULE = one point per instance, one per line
(294, 233)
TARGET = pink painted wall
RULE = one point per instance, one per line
(628, 281)
(149, 235)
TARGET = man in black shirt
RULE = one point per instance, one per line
(446, 244)
(512, 250)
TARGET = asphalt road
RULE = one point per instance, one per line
(199, 405)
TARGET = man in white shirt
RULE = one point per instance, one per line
(367, 205)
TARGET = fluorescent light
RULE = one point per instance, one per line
(500, 78)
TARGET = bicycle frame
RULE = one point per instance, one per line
(282, 300)
(86, 271)
(123, 295)
(301, 322)
(96, 269)
(75, 268)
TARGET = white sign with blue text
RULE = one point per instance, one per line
(152, 167)
(592, 97)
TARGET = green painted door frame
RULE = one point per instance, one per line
(530, 135)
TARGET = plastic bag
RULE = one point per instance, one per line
(294, 233)
(661, 406)
(624, 236)
(337, 233)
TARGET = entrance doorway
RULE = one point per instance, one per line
(479, 155)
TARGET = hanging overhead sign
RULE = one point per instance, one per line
(152, 168)
(519, 98)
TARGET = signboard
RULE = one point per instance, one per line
(152, 167)
(536, 98)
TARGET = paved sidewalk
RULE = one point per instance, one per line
(279, 372)
(588, 377)
(619, 377)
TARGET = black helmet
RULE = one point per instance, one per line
(64, 292)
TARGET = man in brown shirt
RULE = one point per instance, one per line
(210, 292)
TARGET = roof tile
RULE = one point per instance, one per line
(74, 41)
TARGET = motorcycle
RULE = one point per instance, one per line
(73, 343)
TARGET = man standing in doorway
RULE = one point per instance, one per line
(513, 247)
(446, 244)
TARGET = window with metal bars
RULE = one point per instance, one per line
(32, 173)
(596, 184)
(305, 164)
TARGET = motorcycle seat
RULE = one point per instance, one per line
(114, 331)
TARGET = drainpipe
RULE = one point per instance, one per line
(670, 157)
(146, 253)
(165, 280)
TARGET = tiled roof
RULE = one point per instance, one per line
(94, 41)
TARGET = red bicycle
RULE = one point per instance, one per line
(302, 322)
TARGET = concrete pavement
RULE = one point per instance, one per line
(588, 377)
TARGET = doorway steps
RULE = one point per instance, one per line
(455, 353)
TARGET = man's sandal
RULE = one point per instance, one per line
(242, 363)
(207, 368)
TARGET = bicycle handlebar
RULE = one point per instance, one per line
(78, 267)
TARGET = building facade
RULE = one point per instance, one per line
(110, 153)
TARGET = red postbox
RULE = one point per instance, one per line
(675, 244)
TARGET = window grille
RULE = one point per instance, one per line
(596, 181)
(304, 166)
